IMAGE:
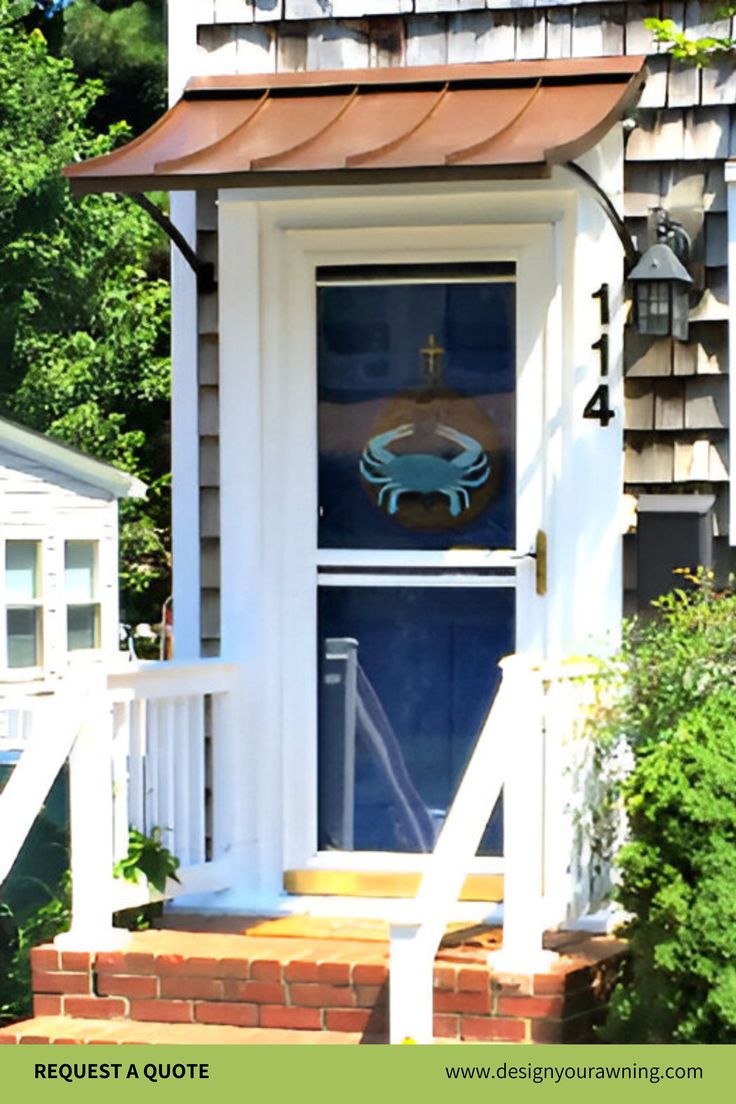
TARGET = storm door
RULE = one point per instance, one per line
(417, 487)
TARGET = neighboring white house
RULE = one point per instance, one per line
(58, 557)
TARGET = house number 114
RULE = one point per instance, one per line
(598, 406)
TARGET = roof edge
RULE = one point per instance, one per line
(38, 446)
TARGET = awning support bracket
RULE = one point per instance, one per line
(203, 270)
(630, 251)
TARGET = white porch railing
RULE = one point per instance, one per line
(523, 747)
(139, 745)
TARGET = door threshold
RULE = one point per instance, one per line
(386, 884)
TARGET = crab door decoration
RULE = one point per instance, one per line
(425, 473)
(433, 459)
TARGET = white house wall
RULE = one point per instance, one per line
(39, 503)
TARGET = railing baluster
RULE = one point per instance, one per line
(180, 753)
(195, 730)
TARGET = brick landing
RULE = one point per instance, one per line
(168, 984)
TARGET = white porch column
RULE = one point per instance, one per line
(730, 169)
(91, 834)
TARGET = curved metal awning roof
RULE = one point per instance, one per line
(484, 120)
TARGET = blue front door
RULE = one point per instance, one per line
(417, 429)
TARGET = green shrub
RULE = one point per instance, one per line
(676, 711)
(678, 878)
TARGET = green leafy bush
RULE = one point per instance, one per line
(18, 938)
(676, 710)
(147, 856)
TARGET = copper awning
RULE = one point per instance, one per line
(487, 120)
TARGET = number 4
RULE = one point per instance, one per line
(597, 406)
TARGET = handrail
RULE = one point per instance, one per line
(415, 938)
(167, 678)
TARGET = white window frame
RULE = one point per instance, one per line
(37, 670)
(96, 599)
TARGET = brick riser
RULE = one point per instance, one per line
(317, 989)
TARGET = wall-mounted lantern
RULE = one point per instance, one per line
(662, 285)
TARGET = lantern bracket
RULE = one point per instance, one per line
(631, 253)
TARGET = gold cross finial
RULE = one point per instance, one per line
(433, 354)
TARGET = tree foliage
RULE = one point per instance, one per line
(694, 51)
(84, 310)
(121, 42)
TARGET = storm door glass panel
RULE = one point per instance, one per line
(407, 675)
(417, 407)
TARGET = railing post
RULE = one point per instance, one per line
(413, 947)
(91, 833)
(523, 804)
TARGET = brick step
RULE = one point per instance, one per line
(328, 985)
(64, 1029)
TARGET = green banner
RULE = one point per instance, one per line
(353, 1075)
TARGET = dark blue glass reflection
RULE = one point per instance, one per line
(376, 377)
(407, 676)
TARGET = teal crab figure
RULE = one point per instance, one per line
(423, 473)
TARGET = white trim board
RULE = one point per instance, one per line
(45, 450)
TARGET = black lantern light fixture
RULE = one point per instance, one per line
(662, 284)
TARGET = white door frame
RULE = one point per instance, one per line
(290, 417)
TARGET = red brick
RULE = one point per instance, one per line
(368, 995)
(489, 1027)
(266, 971)
(165, 1011)
(207, 988)
(462, 1002)
(8, 1040)
(45, 958)
(170, 964)
(137, 962)
(534, 1007)
(322, 996)
(46, 1006)
(446, 1027)
(366, 973)
(224, 1012)
(127, 985)
(233, 967)
(307, 1019)
(61, 982)
(445, 977)
(191, 967)
(76, 960)
(112, 962)
(546, 1031)
(335, 973)
(301, 970)
(546, 985)
(32, 1040)
(520, 984)
(476, 981)
(95, 1008)
(257, 992)
(347, 1019)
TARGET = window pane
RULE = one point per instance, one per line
(417, 413)
(21, 571)
(407, 677)
(79, 571)
(23, 650)
(82, 627)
